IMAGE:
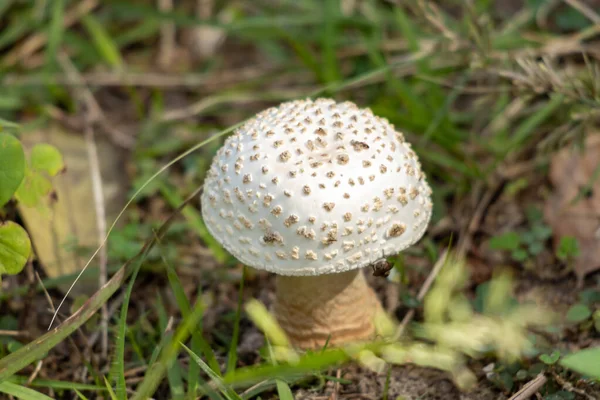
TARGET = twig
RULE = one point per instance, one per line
(34, 42)
(94, 112)
(167, 36)
(96, 177)
(421, 295)
(585, 10)
(568, 386)
(336, 387)
(6, 332)
(36, 371)
(530, 388)
(143, 79)
(46, 294)
(469, 230)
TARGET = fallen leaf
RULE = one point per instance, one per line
(571, 213)
(63, 227)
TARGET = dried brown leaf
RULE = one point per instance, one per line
(570, 213)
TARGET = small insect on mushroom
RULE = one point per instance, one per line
(382, 268)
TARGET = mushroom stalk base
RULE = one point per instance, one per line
(312, 309)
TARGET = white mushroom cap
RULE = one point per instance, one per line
(316, 187)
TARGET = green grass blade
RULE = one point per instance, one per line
(119, 361)
(144, 30)
(157, 371)
(284, 391)
(5, 6)
(174, 374)
(227, 391)
(12, 33)
(56, 385)
(55, 33)
(105, 45)
(185, 309)
(309, 363)
(175, 378)
(445, 109)
(21, 392)
(111, 392)
(408, 29)
(80, 395)
(525, 129)
(329, 60)
(232, 355)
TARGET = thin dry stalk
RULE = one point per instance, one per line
(336, 387)
(144, 79)
(530, 388)
(568, 386)
(166, 45)
(421, 295)
(5, 332)
(94, 111)
(36, 371)
(93, 114)
(100, 208)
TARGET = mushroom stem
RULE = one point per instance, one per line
(312, 309)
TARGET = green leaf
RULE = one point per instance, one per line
(47, 158)
(584, 361)
(33, 188)
(520, 255)
(550, 358)
(12, 166)
(541, 231)
(578, 313)
(560, 395)
(505, 241)
(21, 392)
(568, 247)
(589, 296)
(103, 42)
(15, 248)
(535, 248)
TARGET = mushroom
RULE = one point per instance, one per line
(314, 191)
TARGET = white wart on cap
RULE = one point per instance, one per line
(316, 187)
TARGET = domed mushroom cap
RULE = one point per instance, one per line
(315, 187)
